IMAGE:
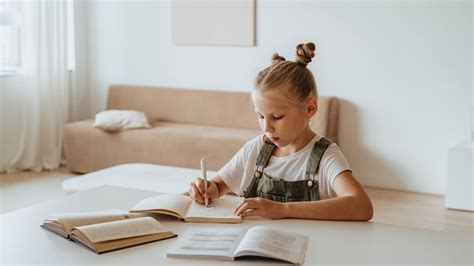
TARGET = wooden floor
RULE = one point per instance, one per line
(391, 207)
(418, 210)
(27, 188)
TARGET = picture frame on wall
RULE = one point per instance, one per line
(213, 22)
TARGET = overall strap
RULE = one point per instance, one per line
(265, 154)
(262, 161)
(316, 154)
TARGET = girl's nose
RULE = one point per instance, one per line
(267, 127)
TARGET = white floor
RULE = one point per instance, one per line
(28, 188)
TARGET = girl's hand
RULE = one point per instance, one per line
(198, 193)
(260, 207)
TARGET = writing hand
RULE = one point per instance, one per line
(197, 190)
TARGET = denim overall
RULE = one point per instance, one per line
(266, 187)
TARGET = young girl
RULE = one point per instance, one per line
(289, 171)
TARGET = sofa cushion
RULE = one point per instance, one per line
(209, 108)
(203, 107)
(116, 120)
(176, 144)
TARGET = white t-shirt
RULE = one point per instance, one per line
(239, 171)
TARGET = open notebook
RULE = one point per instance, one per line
(232, 243)
(107, 230)
(219, 211)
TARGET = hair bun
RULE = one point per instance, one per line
(276, 58)
(304, 53)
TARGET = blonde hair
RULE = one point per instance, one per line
(294, 76)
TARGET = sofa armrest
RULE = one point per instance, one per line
(325, 122)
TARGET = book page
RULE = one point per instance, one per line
(171, 204)
(222, 208)
(271, 243)
(198, 242)
(70, 220)
(121, 229)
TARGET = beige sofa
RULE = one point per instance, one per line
(186, 125)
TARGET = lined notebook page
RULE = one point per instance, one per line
(221, 208)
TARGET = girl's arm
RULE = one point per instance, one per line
(351, 203)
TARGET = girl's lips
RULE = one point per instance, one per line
(274, 139)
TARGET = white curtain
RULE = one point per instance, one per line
(40, 99)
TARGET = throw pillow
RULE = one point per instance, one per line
(117, 120)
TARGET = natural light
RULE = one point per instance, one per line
(14, 36)
(10, 39)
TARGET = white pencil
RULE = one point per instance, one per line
(204, 175)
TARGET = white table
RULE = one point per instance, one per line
(23, 241)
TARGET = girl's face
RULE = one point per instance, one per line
(283, 121)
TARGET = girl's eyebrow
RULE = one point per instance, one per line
(278, 110)
(273, 113)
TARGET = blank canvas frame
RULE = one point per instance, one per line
(213, 22)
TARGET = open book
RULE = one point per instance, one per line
(231, 243)
(107, 230)
(219, 211)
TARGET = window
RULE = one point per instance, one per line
(20, 38)
(10, 39)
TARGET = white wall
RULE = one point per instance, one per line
(401, 69)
